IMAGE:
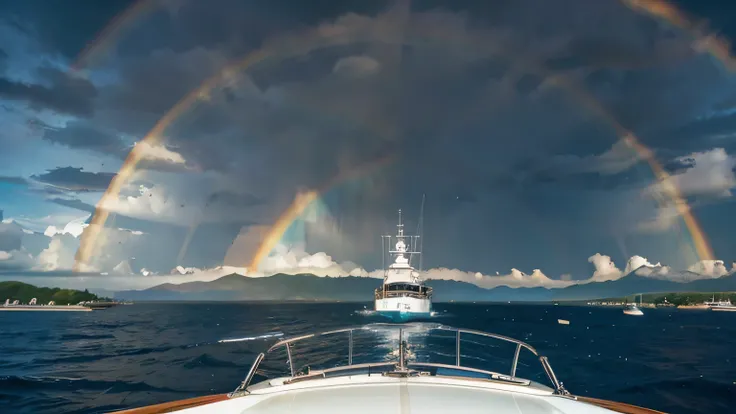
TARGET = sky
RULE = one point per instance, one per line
(554, 142)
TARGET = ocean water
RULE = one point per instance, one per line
(128, 356)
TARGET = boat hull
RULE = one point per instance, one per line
(402, 309)
(397, 316)
(723, 308)
(381, 394)
(636, 312)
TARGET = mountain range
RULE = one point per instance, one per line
(282, 287)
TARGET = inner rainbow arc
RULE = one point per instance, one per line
(304, 200)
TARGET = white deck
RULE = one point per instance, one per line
(376, 394)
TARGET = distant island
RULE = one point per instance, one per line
(308, 287)
(23, 292)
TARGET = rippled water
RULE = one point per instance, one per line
(675, 361)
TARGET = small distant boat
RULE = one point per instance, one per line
(563, 322)
(632, 309)
(721, 305)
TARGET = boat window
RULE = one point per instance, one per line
(393, 287)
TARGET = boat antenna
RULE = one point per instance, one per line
(420, 229)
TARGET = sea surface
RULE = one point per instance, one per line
(672, 360)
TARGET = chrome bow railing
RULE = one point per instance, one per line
(402, 367)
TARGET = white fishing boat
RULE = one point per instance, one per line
(399, 382)
(403, 295)
(721, 305)
(632, 309)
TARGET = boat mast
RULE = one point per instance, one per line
(419, 240)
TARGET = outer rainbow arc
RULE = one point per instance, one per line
(301, 202)
(106, 35)
(700, 241)
(88, 240)
(717, 46)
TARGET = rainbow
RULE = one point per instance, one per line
(88, 241)
(111, 32)
(700, 241)
(718, 47)
(303, 200)
(309, 42)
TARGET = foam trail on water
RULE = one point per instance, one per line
(252, 338)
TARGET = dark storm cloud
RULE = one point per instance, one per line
(74, 203)
(3, 60)
(50, 23)
(154, 84)
(469, 113)
(431, 92)
(234, 26)
(615, 54)
(38, 187)
(82, 135)
(716, 129)
(74, 179)
(13, 180)
(60, 92)
(233, 199)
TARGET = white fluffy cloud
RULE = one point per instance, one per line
(74, 227)
(620, 157)
(59, 255)
(710, 268)
(41, 224)
(295, 260)
(115, 263)
(710, 174)
(55, 248)
(514, 279)
(642, 266)
(181, 199)
(605, 269)
(158, 153)
(15, 260)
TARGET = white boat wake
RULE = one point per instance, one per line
(252, 338)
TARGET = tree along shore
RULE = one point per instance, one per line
(24, 292)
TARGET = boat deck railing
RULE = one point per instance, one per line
(381, 294)
(402, 367)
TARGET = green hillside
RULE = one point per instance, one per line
(25, 292)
